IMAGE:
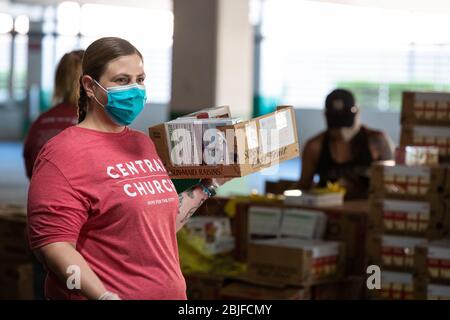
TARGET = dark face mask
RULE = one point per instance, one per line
(340, 119)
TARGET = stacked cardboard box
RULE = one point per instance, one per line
(285, 246)
(408, 208)
(426, 121)
(408, 205)
(432, 271)
(16, 272)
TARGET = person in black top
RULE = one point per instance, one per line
(345, 151)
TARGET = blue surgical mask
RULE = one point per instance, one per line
(125, 103)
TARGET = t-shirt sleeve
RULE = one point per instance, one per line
(56, 212)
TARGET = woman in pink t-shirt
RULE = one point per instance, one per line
(102, 212)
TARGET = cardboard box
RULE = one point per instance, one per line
(408, 217)
(16, 281)
(395, 286)
(394, 253)
(314, 199)
(431, 108)
(432, 261)
(13, 235)
(264, 221)
(438, 292)
(408, 182)
(417, 156)
(346, 223)
(204, 286)
(303, 223)
(295, 261)
(249, 140)
(251, 291)
(428, 136)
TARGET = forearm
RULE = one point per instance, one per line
(190, 201)
(58, 257)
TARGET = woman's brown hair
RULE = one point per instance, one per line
(66, 78)
(95, 60)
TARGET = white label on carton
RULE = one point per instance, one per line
(435, 290)
(414, 171)
(252, 135)
(396, 277)
(406, 206)
(264, 220)
(276, 131)
(281, 120)
(425, 131)
(301, 223)
(401, 242)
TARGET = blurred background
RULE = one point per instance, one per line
(249, 54)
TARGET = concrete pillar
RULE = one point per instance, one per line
(212, 56)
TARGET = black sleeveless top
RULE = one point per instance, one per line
(353, 172)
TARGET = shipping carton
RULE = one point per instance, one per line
(430, 108)
(394, 253)
(251, 146)
(295, 261)
(395, 286)
(408, 217)
(432, 261)
(408, 182)
(428, 136)
(346, 223)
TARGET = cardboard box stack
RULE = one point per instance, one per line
(426, 121)
(286, 247)
(16, 272)
(408, 206)
(432, 271)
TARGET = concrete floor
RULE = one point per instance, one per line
(14, 183)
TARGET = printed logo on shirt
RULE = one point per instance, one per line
(131, 176)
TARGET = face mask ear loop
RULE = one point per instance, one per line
(95, 98)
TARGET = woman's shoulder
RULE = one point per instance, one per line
(64, 143)
(141, 136)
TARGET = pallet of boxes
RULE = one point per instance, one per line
(16, 271)
(408, 206)
(211, 143)
(286, 250)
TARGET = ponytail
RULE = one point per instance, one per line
(82, 103)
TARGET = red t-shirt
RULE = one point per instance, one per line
(46, 126)
(110, 194)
